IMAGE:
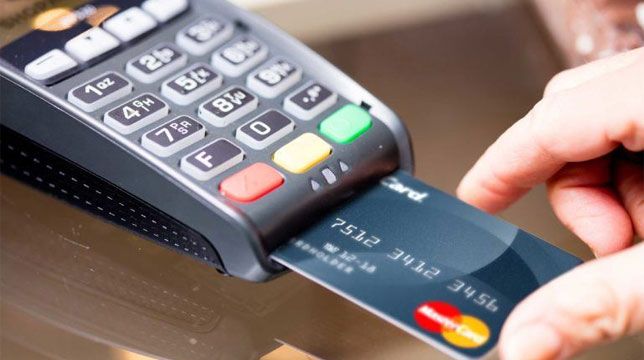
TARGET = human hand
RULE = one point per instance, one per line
(574, 140)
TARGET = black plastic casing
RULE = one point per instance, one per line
(241, 236)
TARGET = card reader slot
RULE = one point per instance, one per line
(28, 162)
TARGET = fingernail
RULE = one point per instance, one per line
(536, 341)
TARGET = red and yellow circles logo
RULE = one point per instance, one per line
(460, 330)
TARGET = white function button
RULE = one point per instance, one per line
(100, 91)
(164, 10)
(212, 159)
(310, 101)
(91, 44)
(191, 84)
(136, 113)
(228, 106)
(204, 35)
(156, 63)
(274, 78)
(265, 129)
(239, 56)
(49, 66)
(129, 24)
(173, 136)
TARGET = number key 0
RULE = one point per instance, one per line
(264, 129)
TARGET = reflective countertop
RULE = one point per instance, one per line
(75, 287)
(67, 274)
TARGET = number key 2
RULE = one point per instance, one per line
(100, 91)
(156, 63)
(228, 106)
(136, 113)
(173, 136)
(192, 84)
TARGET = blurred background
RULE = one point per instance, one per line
(457, 72)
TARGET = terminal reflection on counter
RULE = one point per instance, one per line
(66, 273)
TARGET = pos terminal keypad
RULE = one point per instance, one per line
(201, 102)
(186, 82)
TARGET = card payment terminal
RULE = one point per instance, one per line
(194, 123)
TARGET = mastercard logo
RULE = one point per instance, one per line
(464, 331)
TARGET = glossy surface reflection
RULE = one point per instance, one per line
(77, 274)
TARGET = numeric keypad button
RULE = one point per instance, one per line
(192, 84)
(264, 129)
(212, 159)
(228, 106)
(156, 63)
(100, 91)
(136, 113)
(274, 78)
(310, 101)
(91, 44)
(239, 56)
(173, 136)
(204, 35)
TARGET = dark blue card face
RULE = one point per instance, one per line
(440, 269)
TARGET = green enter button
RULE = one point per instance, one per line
(346, 124)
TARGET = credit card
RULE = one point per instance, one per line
(427, 262)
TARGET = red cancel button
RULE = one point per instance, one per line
(251, 183)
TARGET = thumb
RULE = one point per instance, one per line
(597, 302)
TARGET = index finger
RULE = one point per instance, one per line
(572, 125)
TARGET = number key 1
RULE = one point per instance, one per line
(100, 91)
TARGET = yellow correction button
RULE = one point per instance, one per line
(303, 153)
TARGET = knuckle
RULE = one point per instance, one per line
(557, 83)
(543, 125)
(639, 62)
(630, 131)
(589, 311)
